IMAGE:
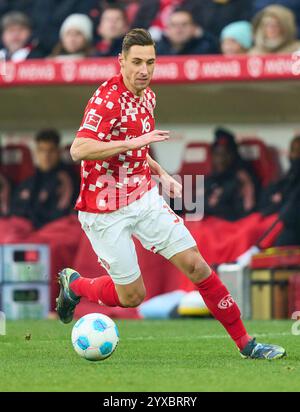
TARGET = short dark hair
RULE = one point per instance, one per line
(137, 37)
(48, 135)
(184, 10)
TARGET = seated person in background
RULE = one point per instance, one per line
(183, 37)
(154, 15)
(236, 38)
(231, 190)
(214, 15)
(49, 194)
(76, 35)
(275, 31)
(17, 39)
(293, 5)
(283, 197)
(4, 195)
(112, 28)
(24, 6)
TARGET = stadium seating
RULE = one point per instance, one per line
(16, 162)
(263, 159)
(196, 159)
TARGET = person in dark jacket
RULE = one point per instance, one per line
(49, 15)
(231, 189)
(5, 190)
(25, 6)
(214, 15)
(283, 197)
(153, 15)
(17, 38)
(184, 37)
(49, 194)
(111, 29)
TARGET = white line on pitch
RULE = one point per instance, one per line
(257, 335)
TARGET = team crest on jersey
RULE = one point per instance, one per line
(92, 120)
(226, 302)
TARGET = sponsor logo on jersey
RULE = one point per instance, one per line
(146, 125)
(131, 111)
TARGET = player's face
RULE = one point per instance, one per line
(137, 67)
(47, 156)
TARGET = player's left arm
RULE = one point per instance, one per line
(170, 186)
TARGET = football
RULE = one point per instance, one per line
(95, 337)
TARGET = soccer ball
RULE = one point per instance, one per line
(95, 337)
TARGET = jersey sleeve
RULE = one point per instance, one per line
(99, 118)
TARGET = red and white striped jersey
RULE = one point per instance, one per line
(115, 113)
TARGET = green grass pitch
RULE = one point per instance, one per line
(173, 355)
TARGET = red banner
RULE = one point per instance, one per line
(183, 69)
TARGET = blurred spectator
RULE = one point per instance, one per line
(284, 197)
(213, 15)
(293, 5)
(49, 15)
(112, 28)
(4, 195)
(24, 6)
(236, 38)
(76, 36)
(183, 37)
(275, 31)
(49, 194)
(17, 39)
(154, 15)
(231, 189)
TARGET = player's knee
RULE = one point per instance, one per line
(198, 270)
(134, 299)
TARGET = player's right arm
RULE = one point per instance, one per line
(90, 149)
(93, 139)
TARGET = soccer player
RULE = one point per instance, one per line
(119, 200)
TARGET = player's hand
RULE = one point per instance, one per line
(148, 138)
(170, 186)
(156, 136)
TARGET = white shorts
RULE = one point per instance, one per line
(150, 220)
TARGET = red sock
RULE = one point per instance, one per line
(98, 290)
(223, 308)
